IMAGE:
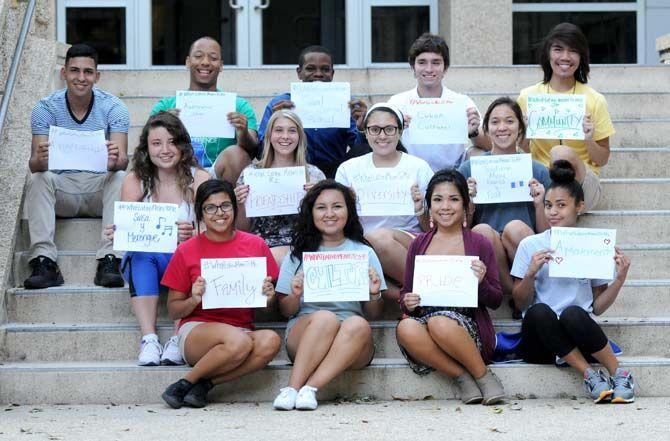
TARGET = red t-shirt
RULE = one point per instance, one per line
(184, 268)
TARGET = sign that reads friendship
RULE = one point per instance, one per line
(205, 113)
(321, 105)
(446, 281)
(438, 121)
(336, 276)
(502, 178)
(556, 116)
(274, 191)
(234, 283)
(77, 150)
(145, 226)
(584, 253)
(383, 192)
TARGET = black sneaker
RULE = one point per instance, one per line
(175, 393)
(108, 273)
(45, 274)
(197, 396)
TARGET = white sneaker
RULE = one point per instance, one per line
(286, 399)
(171, 354)
(306, 399)
(150, 351)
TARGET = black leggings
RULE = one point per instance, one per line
(545, 336)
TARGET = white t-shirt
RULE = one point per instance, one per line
(438, 156)
(557, 292)
(409, 168)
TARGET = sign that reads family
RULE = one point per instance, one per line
(77, 150)
(555, 116)
(336, 276)
(584, 253)
(438, 120)
(383, 192)
(145, 226)
(321, 105)
(502, 178)
(445, 281)
(274, 191)
(205, 113)
(234, 283)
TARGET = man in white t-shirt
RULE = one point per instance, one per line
(429, 60)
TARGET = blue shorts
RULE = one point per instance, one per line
(144, 271)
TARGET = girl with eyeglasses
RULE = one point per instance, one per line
(220, 344)
(390, 236)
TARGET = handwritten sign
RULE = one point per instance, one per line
(585, 253)
(274, 191)
(438, 121)
(234, 283)
(383, 192)
(204, 113)
(321, 105)
(446, 281)
(336, 276)
(502, 178)
(77, 150)
(556, 116)
(145, 226)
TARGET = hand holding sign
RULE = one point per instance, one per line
(585, 253)
(198, 290)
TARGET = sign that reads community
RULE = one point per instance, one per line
(234, 283)
(322, 105)
(445, 281)
(145, 226)
(205, 113)
(585, 253)
(274, 191)
(77, 150)
(556, 116)
(336, 276)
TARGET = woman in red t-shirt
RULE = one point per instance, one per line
(220, 344)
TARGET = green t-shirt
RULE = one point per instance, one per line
(208, 149)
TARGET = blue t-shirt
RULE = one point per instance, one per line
(324, 146)
(499, 215)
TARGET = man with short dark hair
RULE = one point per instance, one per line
(71, 193)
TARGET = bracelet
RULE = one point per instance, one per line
(376, 297)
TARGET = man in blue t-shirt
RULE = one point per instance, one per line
(326, 148)
(71, 193)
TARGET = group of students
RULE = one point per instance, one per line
(205, 177)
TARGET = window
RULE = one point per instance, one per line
(394, 29)
(101, 28)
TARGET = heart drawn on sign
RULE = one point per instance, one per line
(607, 241)
(558, 260)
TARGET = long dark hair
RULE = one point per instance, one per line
(452, 176)
(208, 188)
(563, 176)
(571, 36)
(306, 237)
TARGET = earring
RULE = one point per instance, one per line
(465, 222)
(430, 223)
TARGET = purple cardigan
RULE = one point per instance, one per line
(490, 292)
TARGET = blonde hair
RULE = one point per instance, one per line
(300, 152)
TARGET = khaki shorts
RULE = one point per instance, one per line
(185, 330)
(593, 191)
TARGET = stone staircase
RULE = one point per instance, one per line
(77, 343)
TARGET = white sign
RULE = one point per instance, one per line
(556, 116)
(145, 226)
(234, 283)
(446, 281)
(384, 192)
(322, 105)
(438, 121)
(584, 253)
(274, 191)
(205, 113)
(77, 150)
(336, 276)
(502, 178)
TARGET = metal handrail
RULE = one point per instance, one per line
(11, 77)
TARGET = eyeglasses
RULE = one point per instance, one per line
(376, 130)
(213, 208)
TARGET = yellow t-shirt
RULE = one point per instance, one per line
(596, 106)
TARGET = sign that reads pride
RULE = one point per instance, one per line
(445, 281)
(145, 226)
(204, 113)
(336, 276)
(77, 150)
(322, 105)
(584, 253)
(556, 116)
(274, 191)
(234, 283)
(438, 121)
(502, 178)
(383, 192)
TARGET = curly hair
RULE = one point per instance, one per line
(306, 237)
(147, 172)
(300, 152)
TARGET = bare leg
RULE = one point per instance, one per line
(501, 256)
(145, 309)
(266, 345)
(607, 358)
(576, 360)
(352, 347)
(417, 341)
(512, 235)
(567, 153)
(230, 163)
(391, 248)
(279, 253)
(308, 343)
(454, 340)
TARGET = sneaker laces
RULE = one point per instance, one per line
(285, 391)
(622, 380)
